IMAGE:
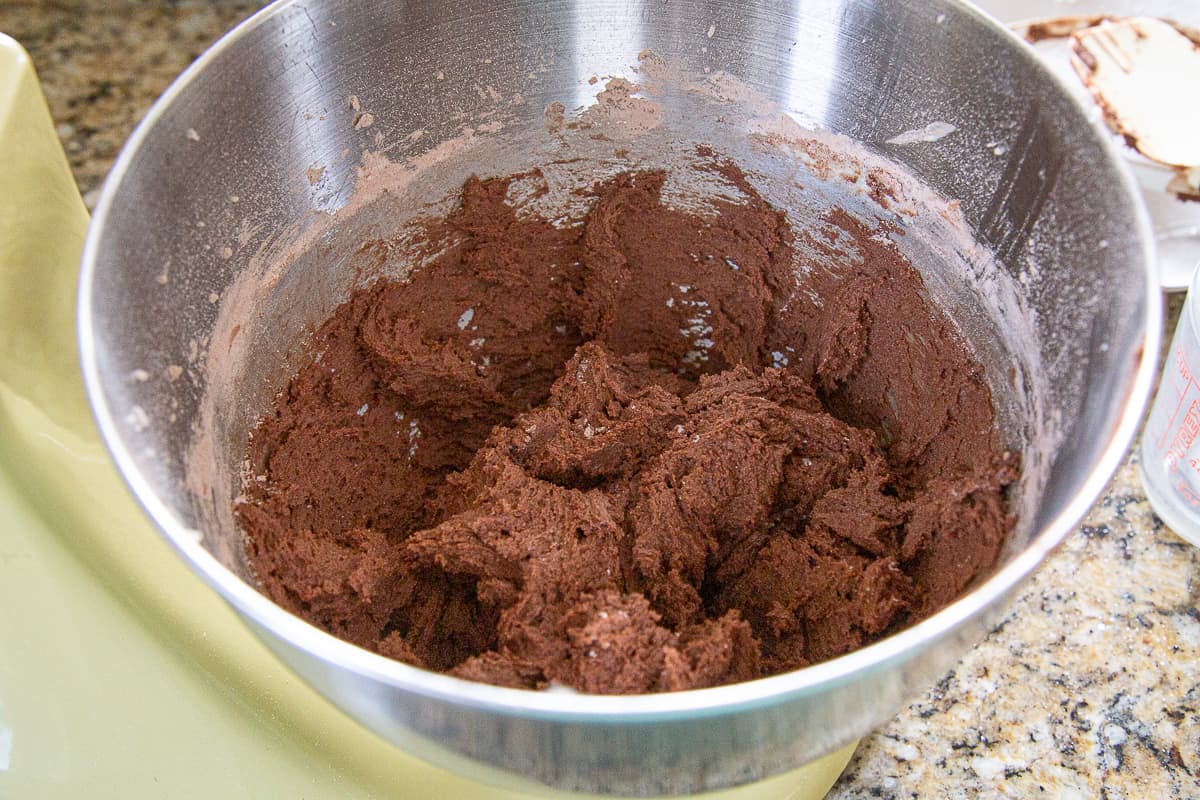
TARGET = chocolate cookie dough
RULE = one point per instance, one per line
(643, 453)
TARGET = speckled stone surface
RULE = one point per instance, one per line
(103, 63)
(1089, 687)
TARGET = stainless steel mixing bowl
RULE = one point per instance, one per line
(217, 170)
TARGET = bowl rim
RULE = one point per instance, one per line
(609, 709)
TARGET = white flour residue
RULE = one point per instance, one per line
(930, 133)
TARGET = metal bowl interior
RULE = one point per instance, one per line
(255, 148)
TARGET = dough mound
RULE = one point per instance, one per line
(643, 453)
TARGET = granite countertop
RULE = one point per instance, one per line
(1089, 687)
